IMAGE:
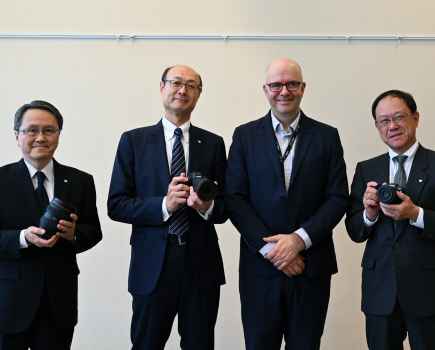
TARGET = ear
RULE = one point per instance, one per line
(162, 85)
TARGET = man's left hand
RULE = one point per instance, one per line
(287, 247)
(195, 202)
(67, 229)
(405, 210)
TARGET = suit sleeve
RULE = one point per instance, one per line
(241, 212)
(88, 228)
(124, 204)
(219, 214)
(10, 244)
(336, 196)
(357, 230)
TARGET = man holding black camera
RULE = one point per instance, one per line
(176, 266)
(398, 278)
(38, 273)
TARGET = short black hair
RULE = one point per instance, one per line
(404, 96)
(166, 71)
(37, 104)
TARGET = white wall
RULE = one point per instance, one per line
(105, 87)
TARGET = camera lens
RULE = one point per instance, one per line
(56, 210)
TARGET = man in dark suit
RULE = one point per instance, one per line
(398, 277)
(286, 190)
(176, 266)
(38, 276)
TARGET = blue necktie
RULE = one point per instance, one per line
(179, 221)
(400, 179)
(41, 193)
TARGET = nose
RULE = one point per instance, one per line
(285, 91)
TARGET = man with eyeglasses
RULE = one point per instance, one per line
(38, 276)
(286, 190)
(398, 266)
(176, 266)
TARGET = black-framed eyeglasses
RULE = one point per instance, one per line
(35, 131)
(397, 119)
(291, 85)
(178, 84)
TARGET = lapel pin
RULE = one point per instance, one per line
(65, 180)
(199, 141)
(420, 180)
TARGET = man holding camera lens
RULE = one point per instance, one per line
(176, 266)
(38, 274)
(393, 210)
(286, 191)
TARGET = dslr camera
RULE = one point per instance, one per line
(387, 193)
(205, 188)
(55, 211)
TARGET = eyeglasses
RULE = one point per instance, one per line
(178, 84)
(292, 85)
(397, 119)
(34, 131)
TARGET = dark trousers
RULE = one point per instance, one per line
(293, 308)
(43, 333)
(177, 292)
(389, 332)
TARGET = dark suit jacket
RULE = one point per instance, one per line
(139, 182)
(260, 206)
(396, 264)
(23, 272)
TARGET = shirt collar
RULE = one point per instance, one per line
(410, 151)
(277, 126)
(48, 170)
(169, 128)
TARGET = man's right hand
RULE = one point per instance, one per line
(32, 235)
(371, 201)
(295, 267)
(178, 192)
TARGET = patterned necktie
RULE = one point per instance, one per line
(41, 193)
(179, 221)
(400, 175)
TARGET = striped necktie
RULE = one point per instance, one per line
(179, 221)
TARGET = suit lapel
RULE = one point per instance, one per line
(62, 182)
(266, 141)
(302, 144)
(159, 156)
(26, 191)
(197, 145)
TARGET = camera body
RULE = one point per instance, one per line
(387, 193)
(205, 188)
(55, 211)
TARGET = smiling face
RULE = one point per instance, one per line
(38, 149)
(284, 104)
(180, 92)
(396, 123)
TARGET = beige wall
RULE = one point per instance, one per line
(106, 87)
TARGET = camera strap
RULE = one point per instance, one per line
(283, 157)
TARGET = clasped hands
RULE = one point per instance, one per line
(179, 194)
(285, 253)
(66, 229)
(404, 210)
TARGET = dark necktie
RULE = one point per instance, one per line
(400, 175)
(41, 193)
(179, 221)
(400, 179)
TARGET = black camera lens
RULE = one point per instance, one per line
(55, 211)
(387, 193)
(204, 187)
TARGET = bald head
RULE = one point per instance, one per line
(284, 65)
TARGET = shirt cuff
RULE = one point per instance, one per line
(207, 214)
(266, 248)
(305, 237)
(419, 222)
(165, 212)
(367, 221)
(23, 242)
